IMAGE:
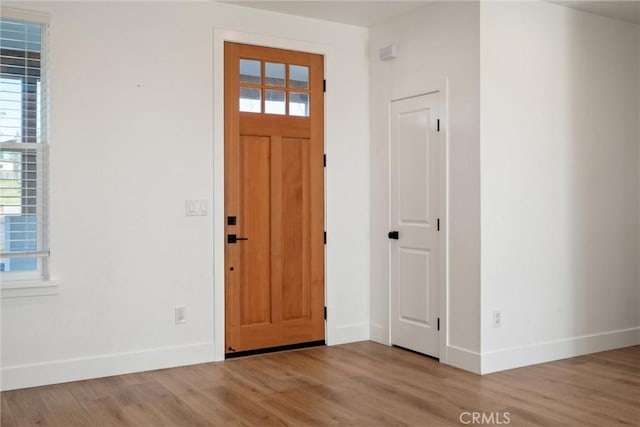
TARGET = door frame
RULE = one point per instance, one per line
(441, 87)
(219, 37)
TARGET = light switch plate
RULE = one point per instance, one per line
(196, 207)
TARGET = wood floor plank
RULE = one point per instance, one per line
(359, 384)
(212, 410)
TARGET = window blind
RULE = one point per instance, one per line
(24, 158)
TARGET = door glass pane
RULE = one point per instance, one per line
(274, 74)
(250, 100)
(299, 104)
(250, 71)
(298, 77)
(274, 102)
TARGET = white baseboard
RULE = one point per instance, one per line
(59, 371)
(379, 334)
(348, 333)
(500, 360)
(462, 358)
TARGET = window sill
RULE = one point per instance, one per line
(28, 288)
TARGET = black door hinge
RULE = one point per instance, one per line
(438, 323)
(324, 160)
(324, 85)
(325, 313)
(438, 224)
(325, 237)
(438, 125)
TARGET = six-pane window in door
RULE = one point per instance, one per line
(274, 88)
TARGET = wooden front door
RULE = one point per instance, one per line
(274, 197)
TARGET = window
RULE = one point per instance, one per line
(24, 246)
(281, 82)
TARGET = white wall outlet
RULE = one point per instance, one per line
(196, 207)
(181, 315)
(497, 318)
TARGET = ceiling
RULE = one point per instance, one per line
(368, 13)
(353, 12)
(623, 10)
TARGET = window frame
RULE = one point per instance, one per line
(35, 282)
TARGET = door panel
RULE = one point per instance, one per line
(295, 228)
(274, 187)
(413, 167)
(255, 198)
(414, 295)
(415, 193)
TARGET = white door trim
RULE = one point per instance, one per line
(219, 37)
(443, 88)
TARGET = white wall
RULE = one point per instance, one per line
(131, 139)
(560, 137)
(437, 42)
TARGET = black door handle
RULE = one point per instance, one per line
(232, 238)
(395, 235)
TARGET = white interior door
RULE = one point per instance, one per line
(415, 183)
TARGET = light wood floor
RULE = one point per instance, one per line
(363, 384)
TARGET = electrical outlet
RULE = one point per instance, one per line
(497, 318)
(180, 314)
